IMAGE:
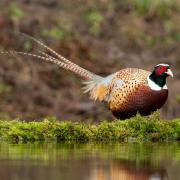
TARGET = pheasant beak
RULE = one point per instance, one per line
(169, 72)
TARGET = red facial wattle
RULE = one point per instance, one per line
(161, 70)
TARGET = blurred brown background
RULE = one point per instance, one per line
(100, 35)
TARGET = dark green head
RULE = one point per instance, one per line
(160, 73)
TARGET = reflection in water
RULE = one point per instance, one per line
(125, 171)
(90, 161)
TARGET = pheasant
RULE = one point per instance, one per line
(127, 92)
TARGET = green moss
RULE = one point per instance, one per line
(66, 131)
(106, 132)
(138, 128)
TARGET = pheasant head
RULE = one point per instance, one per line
(157, 79)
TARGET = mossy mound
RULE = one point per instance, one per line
(138, 128)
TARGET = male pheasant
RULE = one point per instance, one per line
(127, 92)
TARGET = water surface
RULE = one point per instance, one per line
(115, 161)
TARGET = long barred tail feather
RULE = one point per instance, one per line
(53, 60)
(47, 48)
(49, 58)
(91, 80)
(85, 72)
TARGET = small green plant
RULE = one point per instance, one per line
(177, 36)
(94, 18)
(154, 8)
(16, 13)
(178, 98)
(56, 32)
(28, 46)
(4, 88)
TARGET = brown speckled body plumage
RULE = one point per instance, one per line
(143, 100)
(132, 95)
